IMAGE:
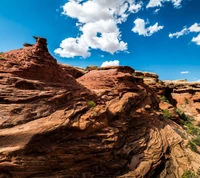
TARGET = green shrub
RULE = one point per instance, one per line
(192, 145)
(192, 129)
(197, 140)
(181, 114)
(166, 114)
(91, 104)
(187, 121)
(188, 174)
(164, 99)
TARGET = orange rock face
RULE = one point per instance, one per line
(106, 123)
(187, 97)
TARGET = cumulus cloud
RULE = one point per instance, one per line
(71, 47)
(140, 28)
(154, 3)
(98, 23)
(110, 63)
(159, 3)
(196, 39)
(185, 72)
(195, 28)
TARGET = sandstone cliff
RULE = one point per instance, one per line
(106, 123)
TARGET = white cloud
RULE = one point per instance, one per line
(98, 23)
(196, 39)
(178, 34)
(154, 3)
(159, 3)
(156, 11)
(195, 28)
(90, 11)
(109, 39)
(185, 72)
(177, 3)
(140, 28)
(71, 47)
(110, 63)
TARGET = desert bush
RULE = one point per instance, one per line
(187, 121)
(91, 104)
(197, 140)
(181, 114)
(192, 129)
(188, 174)
(166, 114)
(192, 146)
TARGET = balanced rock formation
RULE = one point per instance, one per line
(107, 123)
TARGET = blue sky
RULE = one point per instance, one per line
(135, 33)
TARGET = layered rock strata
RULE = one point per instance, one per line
(107, 123)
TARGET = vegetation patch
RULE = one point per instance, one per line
(166, 114)
(197, 140)
(182, 115)
(164, 99)
(192, 129)
(192, 146)
(189, 174)
(91, 104)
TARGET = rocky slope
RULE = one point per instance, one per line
(106, 123)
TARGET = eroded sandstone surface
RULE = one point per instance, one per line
(106, 123)
(187, 97)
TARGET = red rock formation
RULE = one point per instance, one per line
(187, 97)
(76, 72)
(49, 128)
